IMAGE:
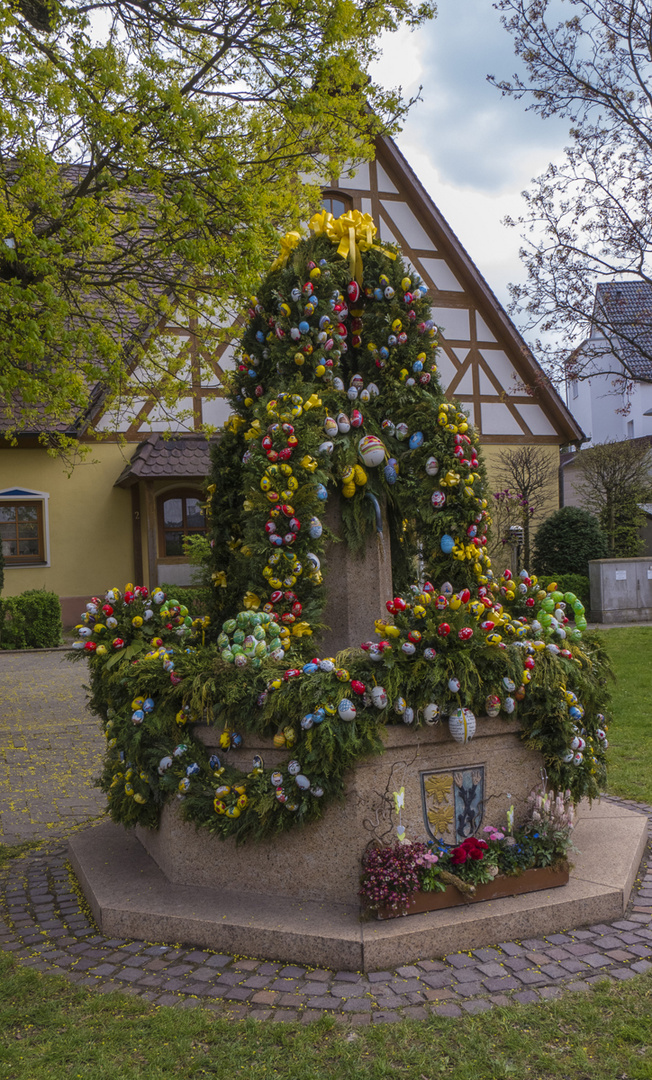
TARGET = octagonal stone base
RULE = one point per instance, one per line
(321, 861)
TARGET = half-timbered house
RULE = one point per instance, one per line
(122, 513)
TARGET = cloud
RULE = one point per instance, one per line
(473, 149)
(476, 137)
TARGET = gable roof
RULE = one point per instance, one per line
(626, 306)
(485, 363)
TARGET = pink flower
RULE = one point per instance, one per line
(430, 858)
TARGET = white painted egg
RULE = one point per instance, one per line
(461, 725)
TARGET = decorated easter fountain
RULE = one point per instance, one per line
(359, 642)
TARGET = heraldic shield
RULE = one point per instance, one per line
(453, 803)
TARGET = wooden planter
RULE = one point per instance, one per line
(529, 881)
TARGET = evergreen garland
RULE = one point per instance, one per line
(336, 396)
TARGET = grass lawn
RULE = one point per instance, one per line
(51, 1031)
(630, 744)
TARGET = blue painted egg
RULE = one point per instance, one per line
(322, 492)
(214, 762)
(304, 327)
(148, 704)
(416, 440)
(391, 475)
(315, 528)
(446, 544)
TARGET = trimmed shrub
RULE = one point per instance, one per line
(575, 583)
(566, 541)
(30, 621)
(2, 569)
(195, 597)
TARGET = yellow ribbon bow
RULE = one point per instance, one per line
(251, 601)
(353, 232)
(288, 244)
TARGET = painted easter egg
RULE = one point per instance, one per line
(346, 710)
(461, 725)
(371, 450)
(431, 713)
(416, 440)
(447, 544)
(379, 696)
(438, 499)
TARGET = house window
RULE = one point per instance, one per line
(21, 532)
(575, 388)
(630, 429)
(336, 202)
(24, 527)
(179, 514)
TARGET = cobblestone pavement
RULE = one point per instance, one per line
(50, 747)
(49, 751)
(44, 925)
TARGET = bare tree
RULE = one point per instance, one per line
(588, 219)
(529, 477)
(615, 481)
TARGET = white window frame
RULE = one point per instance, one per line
(10, 495)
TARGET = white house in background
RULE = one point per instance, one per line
(615, 402)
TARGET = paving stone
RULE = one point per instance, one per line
(439, 995)
(487, 955)
(346, 976)
(527, 997)
(416, 1012)
(318, 975)
(323, 1003)
(641, 965)
(492, 970)
(409, 972)
(447, 1010)
(460, 960)
(468, 989)
(480, 1005)
(292, 972)
(573, 966)
(380, 976)
(437, 979)
(550, 992)
(385, 1017)
(505, 983)
(554, 971)
(577, 987)
(516, 963)
(557, 939)
(596, 960)
(512, 948)
(356, 1005)
(622, 974)
(640, 950)
(432, 965)
(237, 993)
(530, 978)
(618, 954)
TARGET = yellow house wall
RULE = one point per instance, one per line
(90, 546)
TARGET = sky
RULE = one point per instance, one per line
(474, 150)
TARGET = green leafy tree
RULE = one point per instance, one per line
(566, 541)
(148, 171)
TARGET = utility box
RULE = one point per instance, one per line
(621, 590)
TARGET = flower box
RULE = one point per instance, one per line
(529, 881)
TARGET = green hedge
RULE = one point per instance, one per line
(195, 597)
(575, 583)
(30, 621)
